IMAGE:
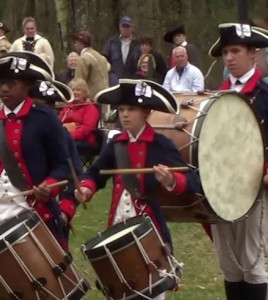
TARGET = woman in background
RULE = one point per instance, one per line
(81, 118)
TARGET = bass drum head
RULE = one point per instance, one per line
(230, 156)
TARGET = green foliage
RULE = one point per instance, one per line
(201, 18)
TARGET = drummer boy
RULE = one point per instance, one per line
(144, 148)
(35, 139)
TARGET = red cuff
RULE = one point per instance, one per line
(89, 184)
(68, 207)
(55, 190)
(181, 183)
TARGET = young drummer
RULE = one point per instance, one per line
(145, 148)
(48, 93)
(36, 139)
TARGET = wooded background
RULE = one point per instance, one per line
(57, 19)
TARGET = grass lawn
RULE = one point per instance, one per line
(201, 279)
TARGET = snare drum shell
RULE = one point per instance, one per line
(25, 252)
(127, 254)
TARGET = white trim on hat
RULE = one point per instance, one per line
(105, 91)
(40, 57)
(56, 84)
(257, 30)
(209, 51)
(163, 99)
(42, 71)
(166, 102)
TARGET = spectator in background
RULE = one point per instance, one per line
(66, 75)
(184, 76)
(81, 117)
(122, 51)
(32, 41)
(178, 37)
(147, 68)
(146, 47)
(4, 42)
(92, 66)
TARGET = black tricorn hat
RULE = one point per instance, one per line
(168, 37)
(25, 65)
(51, 92)
(4, 27)
(240, 34)
(142, 93)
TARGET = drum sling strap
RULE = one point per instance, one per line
(122, 161)
(10, 165)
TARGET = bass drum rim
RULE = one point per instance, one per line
(195, 149)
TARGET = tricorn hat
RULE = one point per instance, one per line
(240, 34)
(51, 92)
(25, 65)
(142, 93)
(4, 27)
(168, 37)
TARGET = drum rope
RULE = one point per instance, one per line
(148, 261)
(120, 275)
(27, 272)
(53, 264)
(175, 265)
(262, 244)
(72, 266)
(47, 256)
(188, 144)
(197, 109)
(7, 288)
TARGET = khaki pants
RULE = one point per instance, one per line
(241, 246)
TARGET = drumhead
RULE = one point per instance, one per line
(230, 156)
(116, 236)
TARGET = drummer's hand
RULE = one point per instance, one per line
(42, 192)
(83, 194)
(164, 176)
(265, 178)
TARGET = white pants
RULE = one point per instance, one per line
(241, 246)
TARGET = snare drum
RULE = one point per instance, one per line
(220, 136)
(131, 260)
(33, 265)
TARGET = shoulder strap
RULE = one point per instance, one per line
(122, 161)
(9, 162)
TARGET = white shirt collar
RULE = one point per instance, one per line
(244, 78)
(15, 111)
(133, 139)
(36, 37)
(184, 44)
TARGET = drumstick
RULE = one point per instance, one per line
(30, 192)
(140, 171)
(76, 180)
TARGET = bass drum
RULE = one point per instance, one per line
(220, 136)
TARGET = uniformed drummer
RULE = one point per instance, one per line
(241, 246)
(48, 93)
(35, 139)
(143, 147)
